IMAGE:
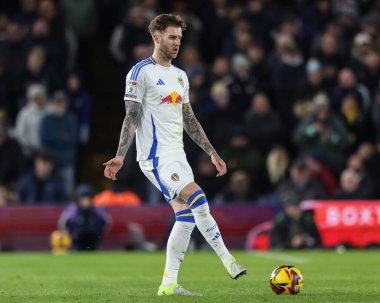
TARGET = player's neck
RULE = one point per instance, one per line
(161, 61)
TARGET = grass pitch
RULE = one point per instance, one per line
(134, 277)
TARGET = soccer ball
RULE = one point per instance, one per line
(286, 280)
(60, 242)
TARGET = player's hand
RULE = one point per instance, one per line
(220, 165)
(112, 167)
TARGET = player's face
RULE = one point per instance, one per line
(169, 42)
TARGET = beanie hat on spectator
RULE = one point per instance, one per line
(84, 190)
(321, 102)
(35, 90)
(313, 66)
(362, 38)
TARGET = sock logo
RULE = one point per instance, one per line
(217, 235)
(211, 228)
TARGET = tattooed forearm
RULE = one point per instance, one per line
(195, 130)
(131, 121)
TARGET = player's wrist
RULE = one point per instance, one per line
(213, 153)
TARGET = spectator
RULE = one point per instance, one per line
(294, 229)
(287, 76)
(262, 20)
(239, 155)
(300, 186)
(239, 39)
(371, 72)
(262, 124)
(193, 24)
(242, 87)
(128, 34)
(205, 174)
(324, 133)
(191, 63)
(260, 69)
(11, 158)
(314, 85)
(322, 173)
(220, 120)
(15, 52)
(81, 16)
(329, 55)
(276, 165)
(356, 164)
(221, 70)
(59, 137)
(239, 190)
(349, 187)
(360, 48)
(27, 14)
(194, 68)
(29, 119)
(80, 103)
(85, 223)
(357, 122)
(37, 71)
(7, 196)
(348, 85)
(215, 17)
(41, 185)
(315, 19)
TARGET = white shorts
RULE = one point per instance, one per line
(170, 173)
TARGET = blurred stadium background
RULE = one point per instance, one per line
(287, 91)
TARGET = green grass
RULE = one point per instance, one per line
(134, 277)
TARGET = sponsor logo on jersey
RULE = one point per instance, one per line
(180, 80)
(160, 82)
(173, 99)
(131, 87)
(174, 177)
(130, 96)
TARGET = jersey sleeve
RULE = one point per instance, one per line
(186, 88)
(134, 86)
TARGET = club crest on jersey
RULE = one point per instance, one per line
(175, 177)
(173, 99)
(180, 80)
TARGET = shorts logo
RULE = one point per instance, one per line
(180, 80)
(175, 177)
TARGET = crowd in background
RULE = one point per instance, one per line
(287, 91)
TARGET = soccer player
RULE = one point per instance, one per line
(158, 109)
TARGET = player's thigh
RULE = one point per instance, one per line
(175, 174)
(169, 174)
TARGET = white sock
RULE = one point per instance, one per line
(207, 225)
(176, 247)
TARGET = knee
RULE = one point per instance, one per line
(203, 209)
(197, 199)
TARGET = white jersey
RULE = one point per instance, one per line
(162, 91)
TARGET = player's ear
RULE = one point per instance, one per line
(156, 37)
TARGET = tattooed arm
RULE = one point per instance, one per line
(197, 134)
(130, 123)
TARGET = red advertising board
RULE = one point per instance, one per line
(347, 222)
